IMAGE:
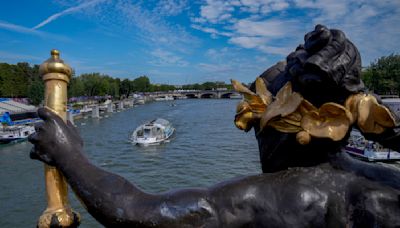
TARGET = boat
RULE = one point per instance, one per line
(364, 149)
(164, 98)
(16, 133)
(140, 101)
(235, 96)
(393, 104)
(152, 133)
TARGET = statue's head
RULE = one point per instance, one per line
(327, 67)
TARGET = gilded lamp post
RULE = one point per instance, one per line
(56, 76)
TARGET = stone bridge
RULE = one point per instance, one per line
(216, 94)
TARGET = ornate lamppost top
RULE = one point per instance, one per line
(56, 75)
(55, 68)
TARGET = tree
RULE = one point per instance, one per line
(36, 92)
(141, 84)
(125, 87)
(76, 87)
(383, 75)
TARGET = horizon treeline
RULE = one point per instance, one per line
(23, 80)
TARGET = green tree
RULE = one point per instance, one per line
(125, 88)
(76, 87)
(92, 84)
(141, 84)
(383, 75)
(36, 92)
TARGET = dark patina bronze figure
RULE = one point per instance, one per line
(308, 181)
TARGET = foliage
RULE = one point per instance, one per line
(23, 80)
(383, 75)
(141, 84)
(36, 92)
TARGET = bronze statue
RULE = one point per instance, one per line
(324, 74)
(302, 112)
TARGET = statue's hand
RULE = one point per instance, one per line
(53, 138)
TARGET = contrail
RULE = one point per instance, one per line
(67, 11)
(21, 29)
(17, 28)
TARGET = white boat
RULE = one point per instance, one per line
(364, 149)
(164, 98)
(153, 132)
(236, 96)
(140, 101)
(15, 133)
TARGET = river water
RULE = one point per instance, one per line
(206, 148)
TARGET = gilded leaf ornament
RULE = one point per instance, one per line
(289, 112)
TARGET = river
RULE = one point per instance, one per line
(207, 148)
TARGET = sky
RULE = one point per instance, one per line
(187, 41)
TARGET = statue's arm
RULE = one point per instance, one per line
(249, 201)
(110, 198)
(115, 202)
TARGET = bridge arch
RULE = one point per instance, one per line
(226, 95)
(208, 95)
(191, 95)
(231, 95)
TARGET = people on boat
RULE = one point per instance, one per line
(307, 180)
(153, 132)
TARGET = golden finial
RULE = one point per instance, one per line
(55, 68)
(55, 53)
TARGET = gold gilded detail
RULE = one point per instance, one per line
(55, 65)
(330, 121)
(285, 103)
(56, 75)
(371, 116)
(252, 106)
(64, 218)
(289, 112)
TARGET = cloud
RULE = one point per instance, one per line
(7, 56)
(248, 42)
(328, 10)
(68, 11)
(371, 25)
(246, 24)
(216, 68)
(264, 28)
(215, 11)
(212, 31)
(282, 51)
(166, 58)
(171, 7)
(144, 21)
(277, 27)
(21, 29)
(154, 28)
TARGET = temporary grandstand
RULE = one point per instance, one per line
(13, 107)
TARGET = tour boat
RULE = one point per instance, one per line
(15, 133)
(153, 132)
(364, 149)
